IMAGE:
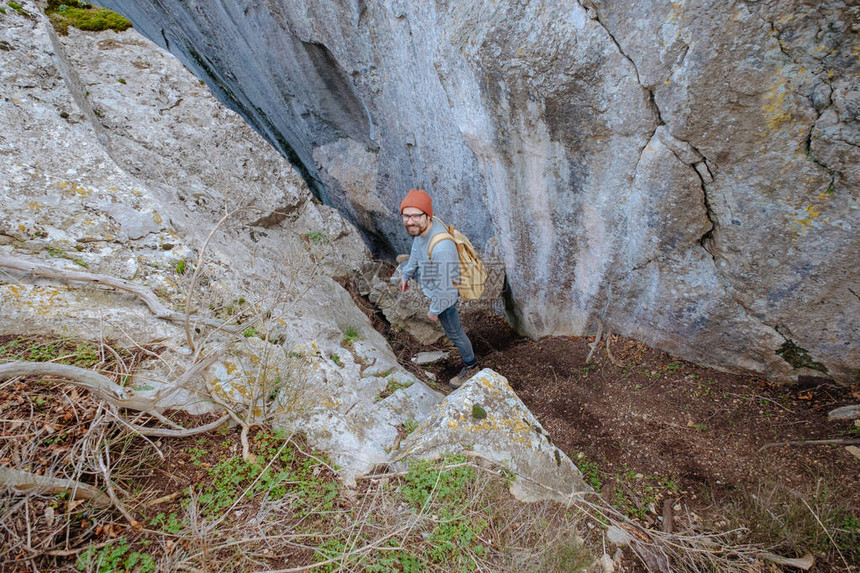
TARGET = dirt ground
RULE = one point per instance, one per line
(651, 432)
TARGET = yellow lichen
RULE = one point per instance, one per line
(776, 108)
(810, 215)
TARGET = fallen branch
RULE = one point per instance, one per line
(609, 352)
(22, 481)
(146, 295)
(98, 384)
(166, 433)
(596, 341)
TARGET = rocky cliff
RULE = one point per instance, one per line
(686, 171)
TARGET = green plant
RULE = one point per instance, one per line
(350, 336)
(121, 80)
(113, 557)
(250, 331)
(590, 471)
(64, 351)
(18, 8)
(180, 267)
(317, 237)
(568, 553)
(169, 523)
(478, 412)
(65, 13)
(393, 386)
(60, 254)
(410, 426)
(454, 539)
(336, 359)
(813, 520)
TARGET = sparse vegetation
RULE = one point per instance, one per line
(350, 336)
(84, 16)
(317, 237)
(393, 386)
(61, 254)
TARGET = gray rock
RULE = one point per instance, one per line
(687, 172)
(131, 178)
(851, 412)
(429, 357)
(486, 417)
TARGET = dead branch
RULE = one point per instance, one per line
(104, 466)
(98, 384)
(596, 341)
(22, 481)
(147, 296)
(609, 352)
(197, 270)
(165, 433)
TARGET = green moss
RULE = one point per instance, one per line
(478, 412)
(83, 16)
(18, 8)
(798, 357)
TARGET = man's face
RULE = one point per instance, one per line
(415, 220)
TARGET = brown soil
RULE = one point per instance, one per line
(645, 427)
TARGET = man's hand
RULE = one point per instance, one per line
(403, 286)
(432, 317)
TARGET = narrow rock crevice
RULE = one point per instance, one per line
(658, 118)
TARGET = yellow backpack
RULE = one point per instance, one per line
(473, 276)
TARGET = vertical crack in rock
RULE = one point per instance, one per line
(658, 118)
(707, 240)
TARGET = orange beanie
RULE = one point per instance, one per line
(419, 199)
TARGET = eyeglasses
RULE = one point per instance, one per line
(413, 217)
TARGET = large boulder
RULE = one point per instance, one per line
(486, 418)
(688, 172)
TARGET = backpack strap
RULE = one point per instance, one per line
(435, 240)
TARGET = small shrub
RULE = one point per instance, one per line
(350, 336)
(180, 267)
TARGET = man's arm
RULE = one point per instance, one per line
(408, 269)
(441, 290)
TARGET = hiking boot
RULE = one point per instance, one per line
(464, 374)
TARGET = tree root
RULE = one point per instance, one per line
(22, 481)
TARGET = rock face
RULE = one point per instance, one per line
(687, 171)
(116, 161)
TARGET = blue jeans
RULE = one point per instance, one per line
(450, 321)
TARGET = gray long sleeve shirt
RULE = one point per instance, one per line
(436, 276)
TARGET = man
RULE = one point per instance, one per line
(437, 275)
